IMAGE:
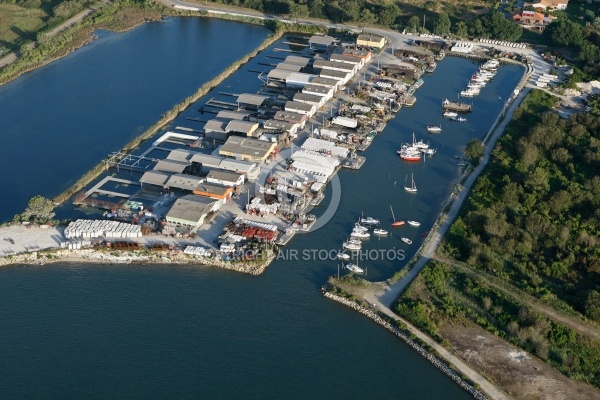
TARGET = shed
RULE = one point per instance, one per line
(180, 155)
(345, 121)
(289, 67)
(225, 178)
(206, 160)
(343, 77)
(291, 117)
(246, 128)
(280, 126)
(249, 169)
(326, 82)
(156, 178)
(315, 90)
(347, 59)
(298, 79)
(184, 182)
(171, 166)
(279, 75)
(321, 41)
(252, 101)
(191, 210)
(228, 114)
(313, 99)
(336, 66)
(302, 61)
(300, 108)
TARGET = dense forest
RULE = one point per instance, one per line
(533, 217)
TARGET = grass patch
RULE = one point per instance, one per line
(17, 25)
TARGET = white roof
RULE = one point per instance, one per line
(324, 146)
(253, 99)
(299, 78)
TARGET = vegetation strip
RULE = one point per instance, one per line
(430, 357)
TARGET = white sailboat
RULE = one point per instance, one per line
(413, 187)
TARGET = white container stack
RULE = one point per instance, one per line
(85, 228)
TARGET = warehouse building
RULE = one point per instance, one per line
(247, 149)
(190, 211)
(225, 178)
(371, 41)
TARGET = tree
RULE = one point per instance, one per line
(413, 25)
(461, 29)
(389, 14)
(441, 25)
(474, 151)
(39, 209)
(477, 29)
(589, 53)
(564, 33)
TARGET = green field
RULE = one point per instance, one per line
(18, 24)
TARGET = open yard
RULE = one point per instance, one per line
(17, 24)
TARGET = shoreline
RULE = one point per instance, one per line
(93, 256)
(435, 360)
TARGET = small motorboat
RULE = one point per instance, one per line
(354, 268)
(434, 128)
(369, 221)
(381, 232)
(414, 223)
(343, 256)
(406, 240)
(360, 234)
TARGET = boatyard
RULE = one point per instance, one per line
(248, 179)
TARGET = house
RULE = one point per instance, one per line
(247, 149)
(366, 40)
(190, 211)
(548, 4)
(533, 19)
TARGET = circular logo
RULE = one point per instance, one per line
(294, 182)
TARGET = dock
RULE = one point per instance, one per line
(354, 162)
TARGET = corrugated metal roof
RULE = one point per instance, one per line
(241, 126)
(303, 61)
(294, 105)
(216, 125)
(321, 81)
(322, 40)
(223, 175)
(212, 189)
(369, 38)
(289, 67)
(330, 73)
(345, 59)
(299, 78)
(171, 166)
(180, 155)
(279, 125)
(227, 114)
(252, 99)
(240, 166)
(310, 98)
(191, 208)
(288, 116)
(155, 178)
(278, 74)
(206, 160)
(326, 64)
(185, 182)
(238, 145)
(319, 90)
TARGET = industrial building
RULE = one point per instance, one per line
(247, 149)
(190, 211)
(370, 41)
(225, 178)
(217, 192)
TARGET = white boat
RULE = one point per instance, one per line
(369, 221)
(343, 256)
(459, 119)
(351, 245)
(406, 240)
(360, 234)
(414, 223)
(412, 188)
(434, 128)
(429, 152)
(354, 268)
(359, 228)
(381, 232)
(469, 93)
(450, 114)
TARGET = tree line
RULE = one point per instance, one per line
(533, 217)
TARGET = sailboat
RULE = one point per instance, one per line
(395, 223)
(413, 187)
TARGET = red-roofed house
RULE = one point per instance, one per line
(548, 4)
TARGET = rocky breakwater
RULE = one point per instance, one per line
(430, 357)
(96, 256)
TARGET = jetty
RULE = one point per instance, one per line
(456, 106)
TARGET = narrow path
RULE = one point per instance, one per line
(577, 325)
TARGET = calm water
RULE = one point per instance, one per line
(181, 332)
(61, 120)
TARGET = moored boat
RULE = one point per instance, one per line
(450, 114)
(369, 221)
(394, 222)
(354, 268)
(343, 256)
(406, 240)
(412, 188)
(352, 245)
(414, 223)
(360, 234)
(381, 232)
(434, 128)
